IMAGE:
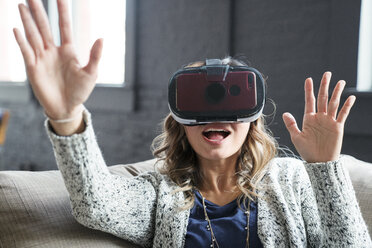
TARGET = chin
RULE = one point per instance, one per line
(219, 155)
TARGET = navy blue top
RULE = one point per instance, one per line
(228, 224)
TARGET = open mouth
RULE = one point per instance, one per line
(216, 134)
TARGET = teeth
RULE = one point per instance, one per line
(216, 130)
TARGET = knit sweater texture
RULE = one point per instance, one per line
(299, 204)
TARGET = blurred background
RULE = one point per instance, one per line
(147, 41)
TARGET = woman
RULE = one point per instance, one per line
(293, 203)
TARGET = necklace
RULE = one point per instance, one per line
(210, 229)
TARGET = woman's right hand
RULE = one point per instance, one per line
(59, 82)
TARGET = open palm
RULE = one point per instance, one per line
(320, 139)
(59, 82)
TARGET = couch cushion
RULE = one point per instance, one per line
(35, 211)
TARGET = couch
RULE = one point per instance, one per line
(35, 209)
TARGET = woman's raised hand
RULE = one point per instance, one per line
(59, 82)
(320, 139)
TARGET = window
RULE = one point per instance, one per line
(93, 19)
(115, 22)
(11, 56)
(12, 72)
(364, 77)
(11, 61)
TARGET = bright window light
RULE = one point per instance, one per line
(364, 80)
(11, 62)
(93, 19)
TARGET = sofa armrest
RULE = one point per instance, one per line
(361, 178)
(35, 211)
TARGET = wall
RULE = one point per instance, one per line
(287, 40)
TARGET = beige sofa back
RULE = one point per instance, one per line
(35, 209)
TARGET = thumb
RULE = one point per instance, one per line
(95, 56)
(291, 124)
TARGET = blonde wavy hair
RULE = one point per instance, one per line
(180, 161)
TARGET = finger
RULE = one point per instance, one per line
(309, 96)
(42, 22)
(64, 22)
(32, 33)
(322, 100)
(95, 56)
(291, 125)
(26, 49)
(345, 110)
(334, 102)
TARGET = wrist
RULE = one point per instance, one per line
(322, 160)
(68, 126)
(74, 115)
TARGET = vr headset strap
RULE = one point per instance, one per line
(214, 69)
(213, 62)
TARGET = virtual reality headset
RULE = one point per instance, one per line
(216, 93)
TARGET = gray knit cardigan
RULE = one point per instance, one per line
(299, 204)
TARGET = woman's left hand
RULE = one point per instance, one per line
(322, 131)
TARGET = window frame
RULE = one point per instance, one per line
(121, 96)
(15, 92)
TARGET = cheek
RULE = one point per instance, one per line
(242, 133)
(242, 129)
(191, 133)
